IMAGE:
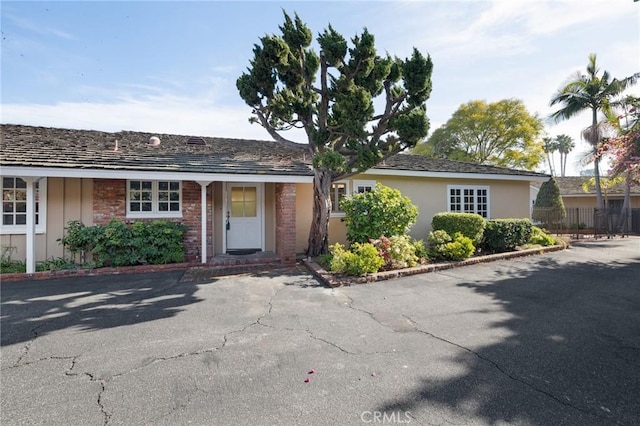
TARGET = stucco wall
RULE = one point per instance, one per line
(67, 199)
(507, 199)
(589, 200)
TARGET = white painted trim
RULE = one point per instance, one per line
(41, 228)
(347, 192)
(203, 219)
(261, 207)
(149, 175)
(475, 200)
(154, 214)
(362, 182)
(31, 225)
(454, 175)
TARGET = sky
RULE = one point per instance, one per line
(171, 66)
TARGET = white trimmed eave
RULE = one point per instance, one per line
(453, 175)
(149, 175)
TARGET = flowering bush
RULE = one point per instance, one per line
(397, 251)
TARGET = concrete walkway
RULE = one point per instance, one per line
(549, 339)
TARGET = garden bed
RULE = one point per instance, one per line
(337, 280)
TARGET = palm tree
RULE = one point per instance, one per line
(590, 92)
(549, 146)
(564, 144)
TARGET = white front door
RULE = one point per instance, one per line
(244, 216)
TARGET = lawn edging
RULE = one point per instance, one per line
(333, 280)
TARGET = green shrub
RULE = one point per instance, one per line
(55, 264)
(364, 259)
(117, 244)
(8, 265)
(444, 247)
(470, 225)
(549, 207)
(383, 211)
(538, 236)
(502, 235)
(422, 251)
(397, 251)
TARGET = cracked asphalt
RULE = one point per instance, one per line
(551, 339)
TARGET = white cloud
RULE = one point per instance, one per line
(42, 30)
(161, 114)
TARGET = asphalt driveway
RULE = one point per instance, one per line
(542, 340)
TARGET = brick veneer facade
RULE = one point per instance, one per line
(110, 198)
(286, 222)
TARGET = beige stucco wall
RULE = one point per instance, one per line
(507, 199)
(589, 200)
(67, 199)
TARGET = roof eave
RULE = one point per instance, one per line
(151, 175)
(455, 175)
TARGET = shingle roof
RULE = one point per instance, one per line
(31, 146)
(419, 163)
(89, 149)
(572, 185)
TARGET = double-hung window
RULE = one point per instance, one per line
(14, 205)
(339, 190)
(154, 198)
(469, 199)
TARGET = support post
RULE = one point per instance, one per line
(31, 224)
(203, 219)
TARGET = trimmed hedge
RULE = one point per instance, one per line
(470, 225)
(502, 235)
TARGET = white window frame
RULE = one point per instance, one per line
(475, 189)
(335, 208)
(357, 184)
(154, 213)
(41, 227)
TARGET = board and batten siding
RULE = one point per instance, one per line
(67, 199)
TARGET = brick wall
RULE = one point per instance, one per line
(109, 201)
(286, 222)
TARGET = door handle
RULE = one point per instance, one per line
(228, 222)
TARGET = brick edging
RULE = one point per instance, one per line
(331, 280)
(69, 273)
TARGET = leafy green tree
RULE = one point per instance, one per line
(606, 184)
(591, 92)
(372, 214)
(501, 133)
(549, 207)
(330, 95)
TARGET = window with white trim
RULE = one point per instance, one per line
(360, 186)
(154, 198)
(14, 205)
(339, 190)
(469, 199)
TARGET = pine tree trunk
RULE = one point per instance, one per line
(319, 232)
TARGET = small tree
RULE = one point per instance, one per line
(549, 207)
(372, 214)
